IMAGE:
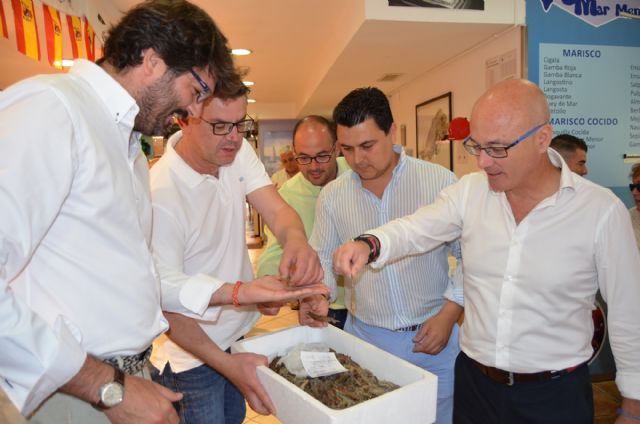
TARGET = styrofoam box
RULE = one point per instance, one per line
(413, 402)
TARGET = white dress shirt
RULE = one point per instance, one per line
(530, 287)
(76, 273)
(405, 292)
(199, 244)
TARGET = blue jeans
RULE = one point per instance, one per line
(208, 397)
(399, 343)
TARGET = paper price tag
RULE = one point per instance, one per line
(321, 364)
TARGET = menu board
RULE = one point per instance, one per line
(594, 93)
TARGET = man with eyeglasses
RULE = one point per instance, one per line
(314, 145)
(409, 308)
(537, 244)
(199, 188)
(79, 295)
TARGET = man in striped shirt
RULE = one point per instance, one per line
(409, 308)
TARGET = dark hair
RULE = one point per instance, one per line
(362, 104)
(318, 119)
(568, 143)
(635, 171)
(182, 34)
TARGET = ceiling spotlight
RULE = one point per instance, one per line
(64, 63)
(248, 83)
(251, 100)
(240, 52)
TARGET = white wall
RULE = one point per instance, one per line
(465, 77)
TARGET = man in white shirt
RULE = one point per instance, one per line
(199, 189)
(289, 167)
(537, 244)
(79, 294)
(409, 308)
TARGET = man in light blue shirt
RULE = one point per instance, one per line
(409, 308)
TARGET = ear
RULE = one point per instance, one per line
(152, 63)
(544, 136)
(392, 131)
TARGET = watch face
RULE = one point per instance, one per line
(112, 394)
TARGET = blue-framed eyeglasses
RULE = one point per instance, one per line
(206, 91)
(224, 128)
(472, 146)
(321, 158)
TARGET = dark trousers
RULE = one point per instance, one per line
(477, 399)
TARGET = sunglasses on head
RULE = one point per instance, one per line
(636, 186)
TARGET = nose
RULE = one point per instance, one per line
(484, 160)
(234, 134)
(195, 108)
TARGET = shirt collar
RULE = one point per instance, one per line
(121, 106)
(182, 169)
(567, 178)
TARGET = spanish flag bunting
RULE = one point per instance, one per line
(26, 29)
(3, 23)
(75, 31)
(53, 31)
(89, 40)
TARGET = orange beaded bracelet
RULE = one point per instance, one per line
(234, 294)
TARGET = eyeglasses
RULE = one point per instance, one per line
(321, 158)
(206, 92)
(636, 186)
(224, 128)
(471, 146)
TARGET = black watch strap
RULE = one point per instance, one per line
(374, 246)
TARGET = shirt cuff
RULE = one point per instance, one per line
(384, 249)
(195, 296)
(66, 363)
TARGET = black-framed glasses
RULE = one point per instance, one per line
(321, 158)
(636, 186)
(224, 128)
(206, 91)
(472, 146)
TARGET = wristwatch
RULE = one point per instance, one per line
(111, 393)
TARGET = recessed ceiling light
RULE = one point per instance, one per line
(248, 83)
(65, 63)
(251, 100)
(241, 52)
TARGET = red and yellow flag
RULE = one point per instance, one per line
(26, 29)
(53, 31)
(3, 23)
(75, 31)
(89, 40)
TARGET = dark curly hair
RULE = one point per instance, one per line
(182, 34)
(362, 104)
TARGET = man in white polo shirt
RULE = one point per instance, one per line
(199, 188)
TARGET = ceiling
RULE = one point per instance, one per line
(308, 54)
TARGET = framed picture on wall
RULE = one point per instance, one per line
(432, 130)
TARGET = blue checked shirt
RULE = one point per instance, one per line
(405, 292)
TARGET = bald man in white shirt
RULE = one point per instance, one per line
(537, 244)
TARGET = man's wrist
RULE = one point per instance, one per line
(374, 246)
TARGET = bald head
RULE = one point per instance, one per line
(514, 115)
(516, 100)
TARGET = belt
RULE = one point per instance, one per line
(510, 378)
(410, 328)
(131, 364)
